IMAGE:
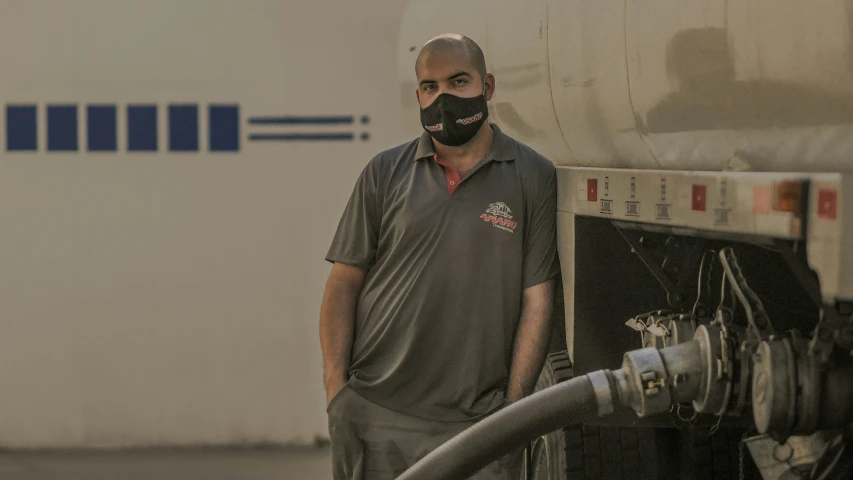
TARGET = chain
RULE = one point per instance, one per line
(691, 420)
(823, 338)
(704, 283)
(716, 427)
(741, 450)
(757, 318)
(722, 293)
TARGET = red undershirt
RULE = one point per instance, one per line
(450, 174)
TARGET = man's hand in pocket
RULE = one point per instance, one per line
(332, 389)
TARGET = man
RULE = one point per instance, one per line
(437, 311)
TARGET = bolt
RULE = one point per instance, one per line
(657, 383)
(783, 453)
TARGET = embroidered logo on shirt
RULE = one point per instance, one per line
(500, 216)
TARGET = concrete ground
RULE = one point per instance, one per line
(262, 464)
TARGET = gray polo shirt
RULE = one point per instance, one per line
(447, 258)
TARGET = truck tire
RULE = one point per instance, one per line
(585, 452)
(613, 453)
(546, 458)
(716, 457)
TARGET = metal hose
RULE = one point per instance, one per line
(510, 428)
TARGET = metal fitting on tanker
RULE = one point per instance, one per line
(718, 369)
(647, 390)
(655, 379)
(794, 394)
(700, 371)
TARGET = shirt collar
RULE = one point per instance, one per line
(501, 151)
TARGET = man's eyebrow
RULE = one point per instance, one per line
(455, 75)
(459, 74)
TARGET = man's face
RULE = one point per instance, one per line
(449, 71)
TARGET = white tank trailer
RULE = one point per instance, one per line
(704, 152)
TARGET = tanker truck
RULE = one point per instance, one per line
(704, 157)
(702, 150)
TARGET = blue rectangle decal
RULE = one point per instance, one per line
(183, 128)
(21, 128)
(62, 128)
(101, 128)
(224, 128)
(142, 128)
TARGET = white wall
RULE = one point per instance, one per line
(173, 298)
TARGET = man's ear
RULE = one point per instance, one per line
(490, 86)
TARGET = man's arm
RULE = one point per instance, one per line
(531, 340)
(541, 268)
(337, 324)
(352, 254)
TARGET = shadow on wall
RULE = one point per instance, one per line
(517, 78)
(701, 62)
(848, 10)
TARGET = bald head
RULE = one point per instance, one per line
(450, 43)
(455, 65)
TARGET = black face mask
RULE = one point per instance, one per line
(452, 120)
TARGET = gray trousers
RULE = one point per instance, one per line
(370, 442)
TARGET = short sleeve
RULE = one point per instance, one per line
(540, 243)
(357, 235)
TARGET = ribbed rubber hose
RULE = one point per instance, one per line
(543, 412)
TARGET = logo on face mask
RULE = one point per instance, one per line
(453, 120)
(470, 120)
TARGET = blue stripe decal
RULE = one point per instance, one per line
(142, 128)
(101, 128)
(62, 128)
(333, 120)
(308, 137)
(21, 128)
(224, 128)
(183, 128)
